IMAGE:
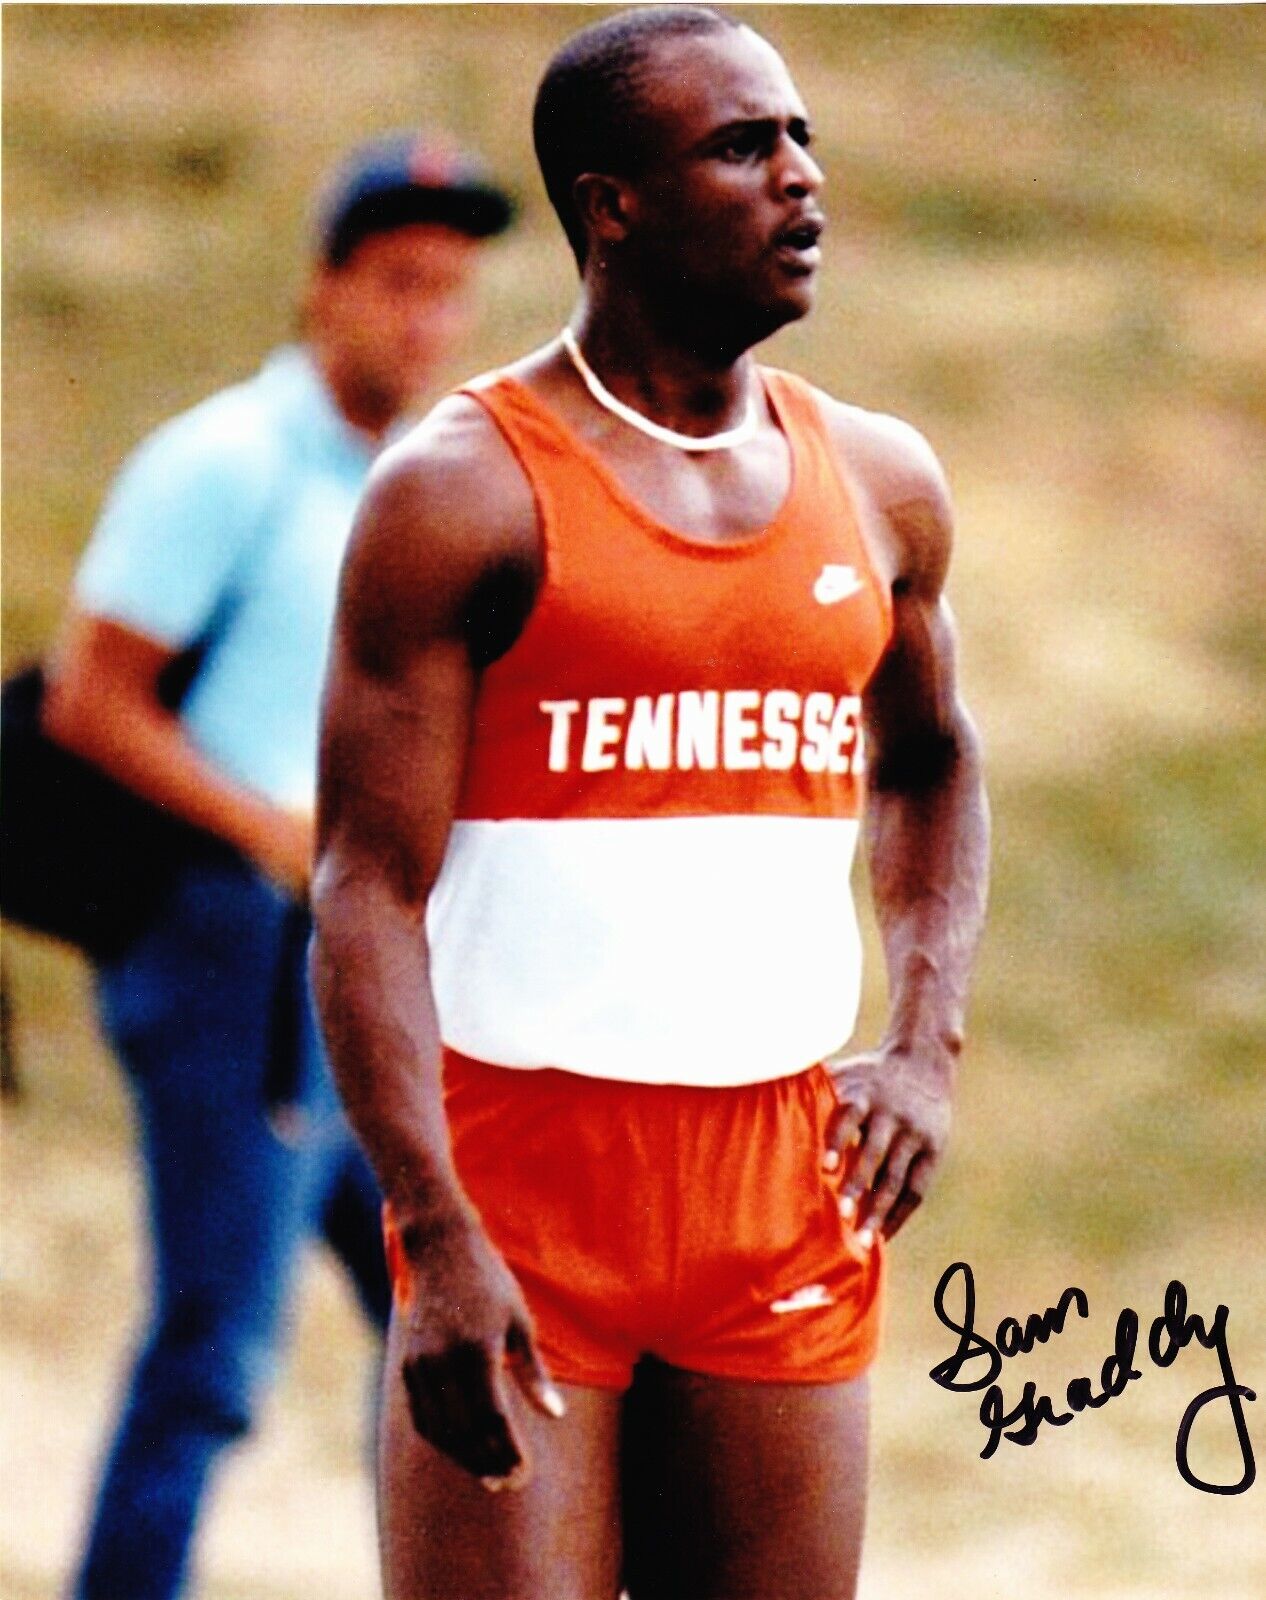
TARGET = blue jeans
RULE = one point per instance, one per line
(246, 1154)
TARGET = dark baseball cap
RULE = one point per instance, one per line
(409, 177)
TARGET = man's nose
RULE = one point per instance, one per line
(800, 174)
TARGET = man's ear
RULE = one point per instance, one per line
(604, 204)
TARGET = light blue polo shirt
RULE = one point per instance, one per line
(234, 516)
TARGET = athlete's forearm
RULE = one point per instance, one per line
(371, 979)
(927, 837)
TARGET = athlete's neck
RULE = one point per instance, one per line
(659, 373)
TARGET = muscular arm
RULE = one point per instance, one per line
(422, 571)
(927, 838)
(103, 703)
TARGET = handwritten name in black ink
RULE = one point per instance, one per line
(977, 1363)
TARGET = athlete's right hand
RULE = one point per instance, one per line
(463, 1325)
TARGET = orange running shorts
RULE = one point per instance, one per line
(692, 1224)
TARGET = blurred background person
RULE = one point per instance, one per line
(224, 534)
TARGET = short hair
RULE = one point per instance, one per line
(588, 107)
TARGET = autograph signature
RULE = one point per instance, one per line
(1170, 1333)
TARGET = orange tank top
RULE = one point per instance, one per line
(648, 875)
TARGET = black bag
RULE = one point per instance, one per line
(81, 857)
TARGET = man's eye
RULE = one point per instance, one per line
(740, 146)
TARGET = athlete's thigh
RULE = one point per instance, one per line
(743, 1491)
(445, 1537)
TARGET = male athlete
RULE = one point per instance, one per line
(615, 627)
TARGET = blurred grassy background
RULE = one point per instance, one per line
(1046, 250)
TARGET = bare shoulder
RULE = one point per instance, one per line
(447, 508)
(901, 484)
(450, 492)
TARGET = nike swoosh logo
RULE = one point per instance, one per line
(835, 583)
(810, 1298)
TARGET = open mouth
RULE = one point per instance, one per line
(803, 236)
(799, 243)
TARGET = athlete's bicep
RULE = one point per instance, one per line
(392, 754)
(431, 577)
(911, 705)
(399, 690)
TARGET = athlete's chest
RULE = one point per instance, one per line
(629, 606)
(714, 497)
(665, 571)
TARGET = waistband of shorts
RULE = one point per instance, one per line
(459, 1069)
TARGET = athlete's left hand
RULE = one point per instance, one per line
(894, 1106)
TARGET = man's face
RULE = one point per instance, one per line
(725, 205)
(396, 309)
